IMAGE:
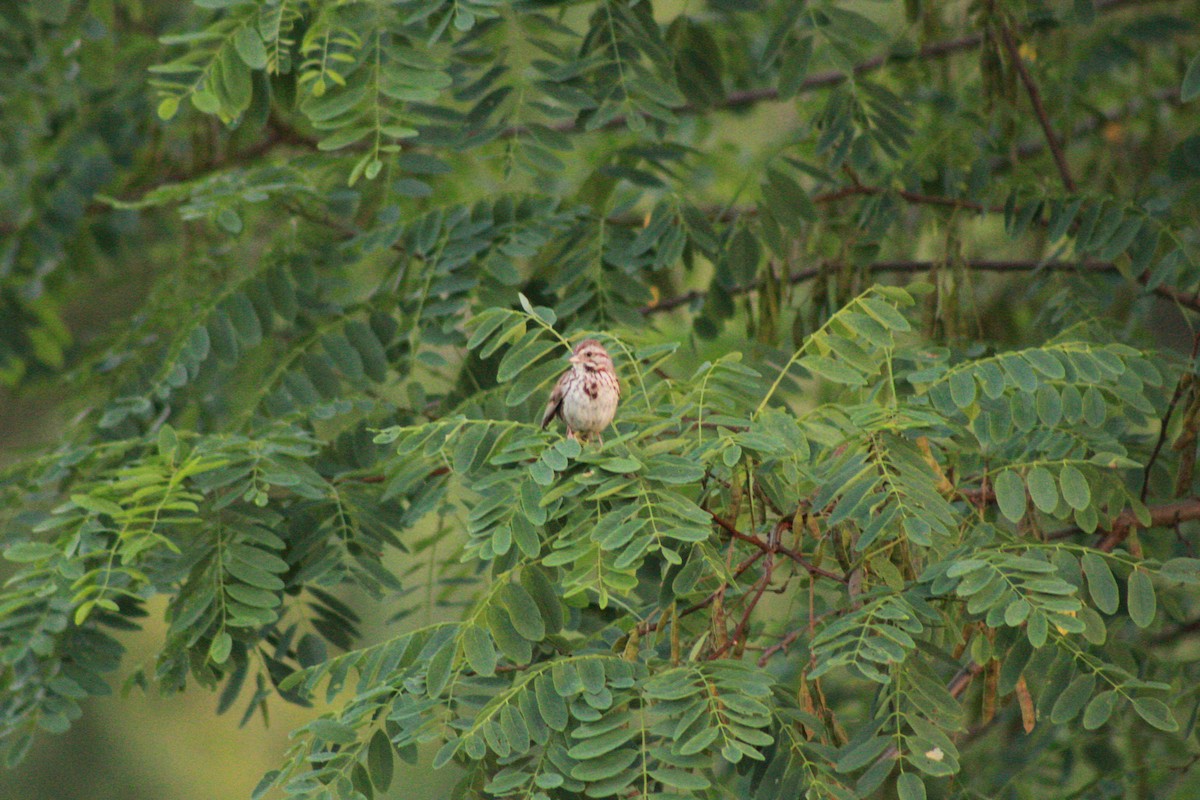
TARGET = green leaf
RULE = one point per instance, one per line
(250, 47)
(523, 355)
(26, 552)
(229, 221)
(962, 392)
(1156, 713)
(333, 731)
(743, 257)
(1036, 630)
(787, 201)
(674, 470)
(1071, 701)
(1042, 489)
(523, 611)
(370, 349)
(206, 102)
(168, 108)
(605, 766)
(1141, 598)
(1101, 584)
(479, 650)
(97, 505)
(252, 596)
(438, 674)
(544, 593)
(1010, 495)
(884, 312)
(379, 760)
(1049, 405)
(1017, 612)
(678, 779)
(833, 370)
(604, 743)
(1099, 709)
(909, 786)
(550, 704)
(1184, 570)
(245, 319)
(1075, 489)
(859, 756)
(699, 741)
(343, 137)
(620, 464)
(221, 645)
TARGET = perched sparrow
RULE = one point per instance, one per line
(586, 395)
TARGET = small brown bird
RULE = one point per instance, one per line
(585, 397)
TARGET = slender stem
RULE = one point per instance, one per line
(1035, 99)
(1184, 380)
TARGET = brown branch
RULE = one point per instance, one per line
(767, 548)
(980, 497)
(1167, 515)
(749, 97)
(1188, 300)
(782, 644)
(820, 80)
(1185, 380)
(959, 683)
(278, 134)
(732, 213)
(1039, 109)
(1097, 121)
(739, 631)
(647, 626)
(729, 528)
(916, 198)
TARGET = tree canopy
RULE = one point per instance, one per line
(900, 499)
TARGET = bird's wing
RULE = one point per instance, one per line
(555, 403)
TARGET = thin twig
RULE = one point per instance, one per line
(649, 627)
(767, 548)
(739, 632)
(1169, 95)
(962, 680)
(1035, 99)
(902, 266)
(1184, 380)
(1126, 523)
(733, 213)
(1160, 516)
(782, 644)
(820, 80)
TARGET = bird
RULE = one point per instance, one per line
(586, 396)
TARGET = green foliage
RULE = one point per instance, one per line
(871, 501)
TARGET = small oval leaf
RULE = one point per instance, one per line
(1141, 599)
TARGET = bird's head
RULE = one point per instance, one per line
(590, 355)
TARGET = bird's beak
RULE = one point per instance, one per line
(575, 359)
